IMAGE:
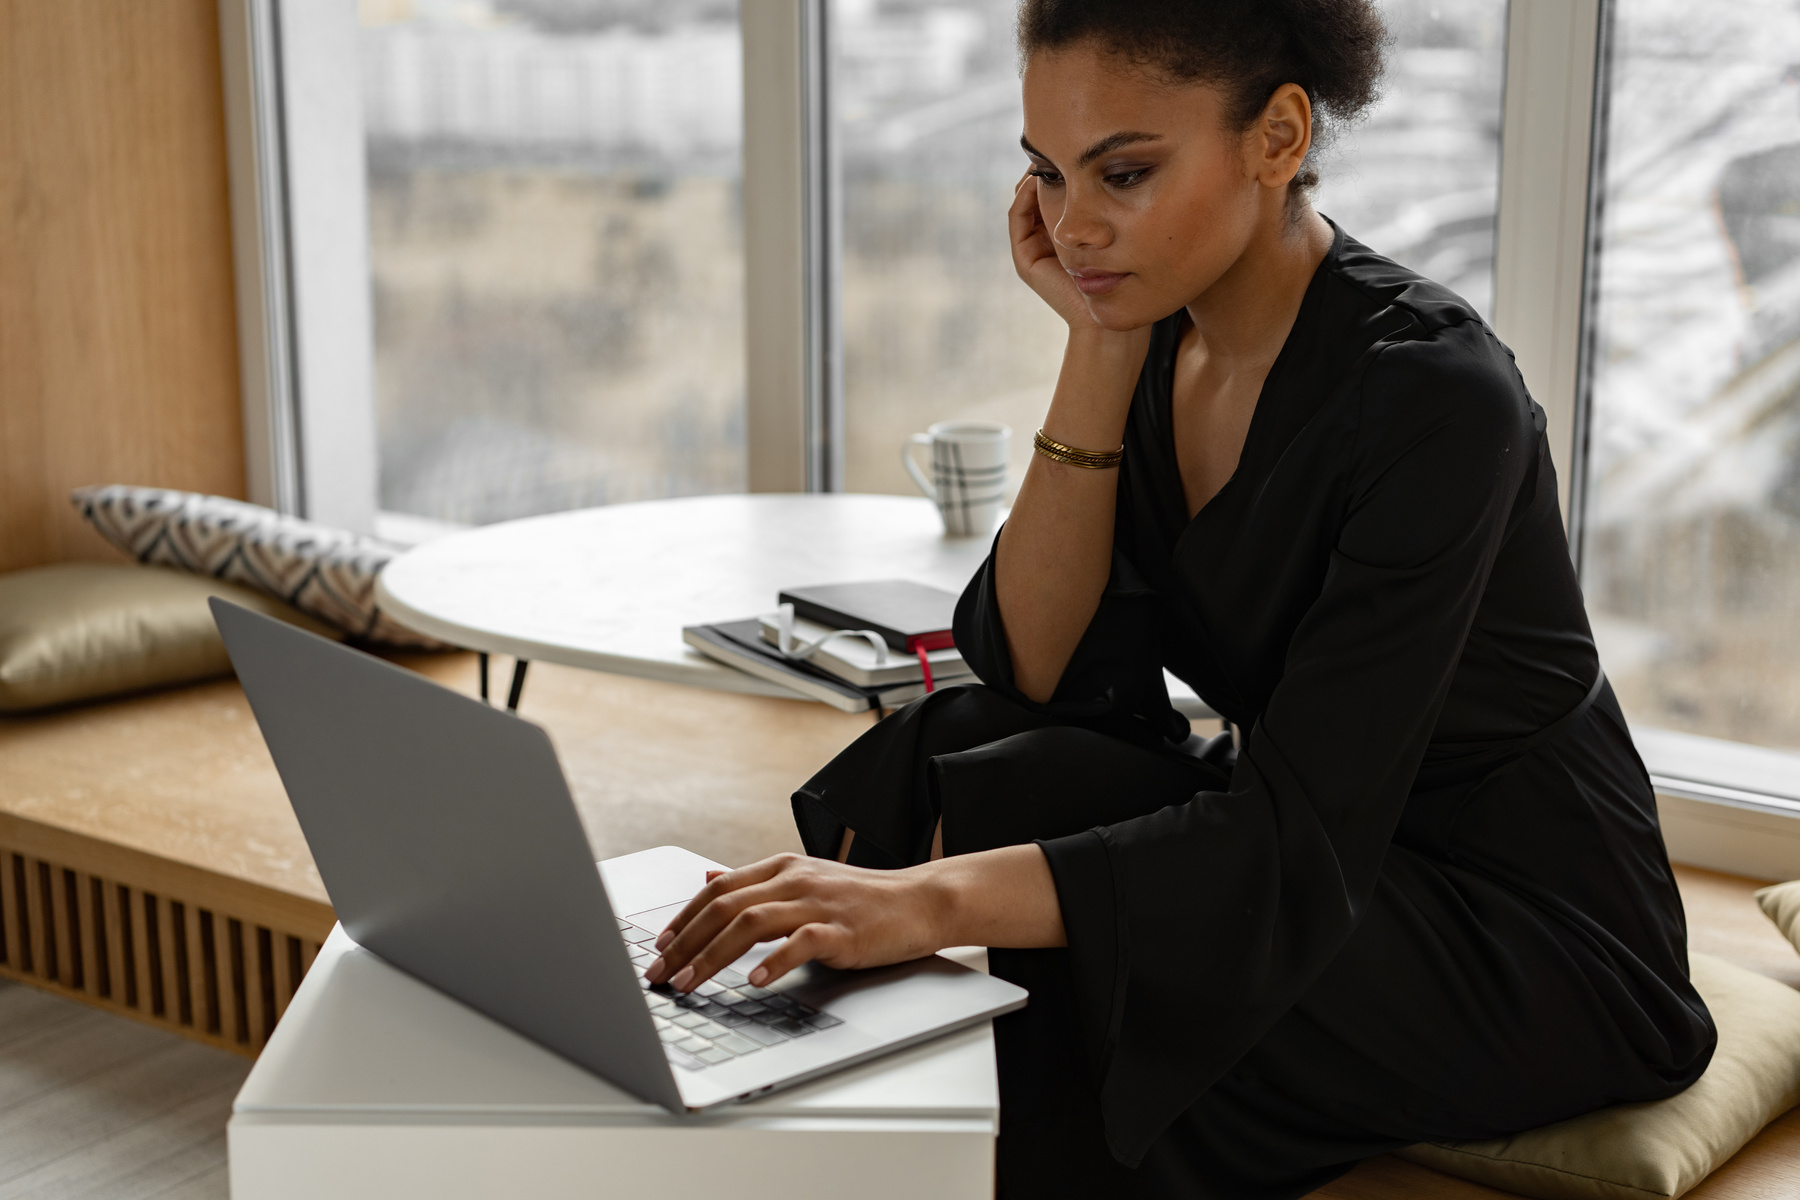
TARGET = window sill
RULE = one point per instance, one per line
(1721, 772)
(1724, 805)
(405, 529)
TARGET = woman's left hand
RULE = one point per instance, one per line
(843, 916)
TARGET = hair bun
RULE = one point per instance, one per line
(1334, 49)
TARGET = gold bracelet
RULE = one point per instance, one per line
(1055, 451)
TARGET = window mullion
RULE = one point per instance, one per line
(824, 253)
(300, 238)
(251, 73)
(1546, 177)
(793, 360)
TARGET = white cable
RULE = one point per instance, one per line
(800, 651)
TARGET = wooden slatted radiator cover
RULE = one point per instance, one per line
(150, 864)
(204, 955)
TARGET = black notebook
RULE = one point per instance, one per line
(904, 613)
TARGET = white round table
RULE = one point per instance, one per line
(610, 588)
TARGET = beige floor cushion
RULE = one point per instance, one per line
(1662, 1148)
(1781, 904)
(80, 631)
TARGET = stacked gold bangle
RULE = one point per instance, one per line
(1055, 451)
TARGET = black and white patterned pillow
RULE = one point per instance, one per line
(327, 572)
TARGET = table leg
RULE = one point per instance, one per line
(482, 656)
(518, 684)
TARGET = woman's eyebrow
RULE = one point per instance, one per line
(1107, 144)
(1114, 141)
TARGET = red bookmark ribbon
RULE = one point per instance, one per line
(922, 644)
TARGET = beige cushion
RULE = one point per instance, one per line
(1781, 904)
(79, 631)
(1664, 1147)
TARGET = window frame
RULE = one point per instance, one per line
(299, 205)
(1734, 805)
(1549, 151)
(1727, 805)
(299, 201)
(793, 249)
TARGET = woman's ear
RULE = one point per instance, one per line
(1282, 135)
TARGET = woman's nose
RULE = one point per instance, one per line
(1080, 227)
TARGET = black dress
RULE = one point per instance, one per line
(1428, 897)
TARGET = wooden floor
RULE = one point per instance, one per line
(99, 1107)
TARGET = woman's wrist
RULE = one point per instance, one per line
(1093, 393)
(1005, 897)
(1125, 346)
(1104, 364)
(939, 902)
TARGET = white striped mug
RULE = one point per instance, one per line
(968, 472)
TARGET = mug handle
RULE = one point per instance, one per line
(912, 465)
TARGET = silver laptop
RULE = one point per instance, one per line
(447, 839)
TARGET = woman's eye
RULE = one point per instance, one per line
(1049, 177)
(1125, 179)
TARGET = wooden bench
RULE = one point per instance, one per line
(150, 864)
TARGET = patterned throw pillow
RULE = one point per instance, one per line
(327, 572)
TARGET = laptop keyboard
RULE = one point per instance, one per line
(724, 1018)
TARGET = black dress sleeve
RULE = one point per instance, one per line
(1114, 681)
(1225, 908)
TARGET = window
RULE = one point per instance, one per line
(555, 219)
(1691, 516)
(937, 326)
(556, 252)
(1417, 179)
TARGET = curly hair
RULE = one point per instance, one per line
(1333, 49)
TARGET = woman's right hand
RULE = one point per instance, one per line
(1054, 554)
(1034, 257)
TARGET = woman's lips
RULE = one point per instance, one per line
(1097, 283)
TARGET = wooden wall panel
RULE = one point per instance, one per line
(118, 342)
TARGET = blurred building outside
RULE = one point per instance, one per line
(556, 250)
(557, 245)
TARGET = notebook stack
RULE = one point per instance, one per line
(893, 645)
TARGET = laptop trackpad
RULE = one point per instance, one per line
(654, 879)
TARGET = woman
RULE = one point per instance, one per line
(1426, 897)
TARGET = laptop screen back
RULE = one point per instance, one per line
(446, 837)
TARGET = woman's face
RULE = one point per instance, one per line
(1147, 197)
